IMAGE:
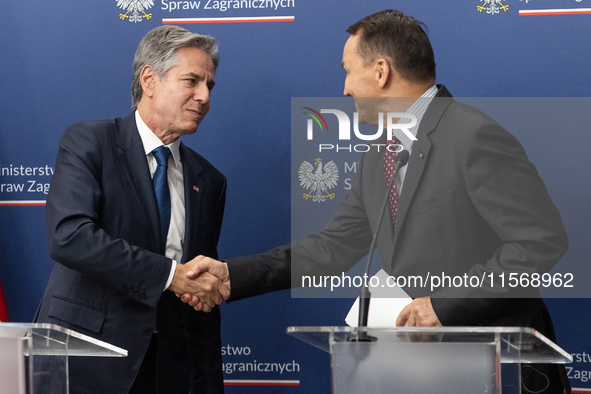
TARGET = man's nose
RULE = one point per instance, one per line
(201, 93)
(345, 90)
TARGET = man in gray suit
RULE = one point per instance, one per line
(468, 202)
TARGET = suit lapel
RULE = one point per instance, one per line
(416, 165)
(132, 159)
(420, 156)
(195, 189)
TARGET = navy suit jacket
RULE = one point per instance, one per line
(109, 276)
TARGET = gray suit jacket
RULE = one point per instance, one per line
(472, 203)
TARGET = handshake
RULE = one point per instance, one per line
(202, 283)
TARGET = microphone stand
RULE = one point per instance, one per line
(365, 294)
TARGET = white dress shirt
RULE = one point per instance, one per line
(176, 231)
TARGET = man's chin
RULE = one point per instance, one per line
(192, 127)
(367, 110)
(368, 117)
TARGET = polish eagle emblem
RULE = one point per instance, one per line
(319, 182)
(492, 7)
(135, 9)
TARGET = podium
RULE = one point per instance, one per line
(431, 359)
(34, 356)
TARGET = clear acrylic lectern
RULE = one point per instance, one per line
(34, 356)
(430, 359)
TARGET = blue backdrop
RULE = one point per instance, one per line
(68, 61)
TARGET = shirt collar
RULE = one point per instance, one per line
(418, 109)
(151, 142)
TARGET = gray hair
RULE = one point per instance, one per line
(159, 48)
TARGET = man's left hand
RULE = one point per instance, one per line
(418, 313)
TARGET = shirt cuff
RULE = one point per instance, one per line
(171, 275)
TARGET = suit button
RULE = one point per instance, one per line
(130, 293)
(148, 331)
(142, 297)
(136, 295)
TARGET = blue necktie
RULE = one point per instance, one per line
(160, 180)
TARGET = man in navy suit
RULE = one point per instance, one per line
(122, 246)
(469, 202)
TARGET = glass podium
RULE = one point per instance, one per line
(430, 359)
(34, 356)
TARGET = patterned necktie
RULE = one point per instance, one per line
(160, 180)
(389, 167)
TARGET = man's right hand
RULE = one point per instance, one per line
(205, 266)
(201, 289)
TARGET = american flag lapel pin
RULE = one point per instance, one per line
(196, 188)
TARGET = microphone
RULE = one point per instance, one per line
(365, 295)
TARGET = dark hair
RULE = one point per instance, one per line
(398, 38)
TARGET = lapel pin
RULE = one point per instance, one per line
(196, 188)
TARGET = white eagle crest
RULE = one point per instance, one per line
(135, 9)
(492, 6)
(317, 181)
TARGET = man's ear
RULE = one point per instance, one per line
(148, 80)
(383, 72)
